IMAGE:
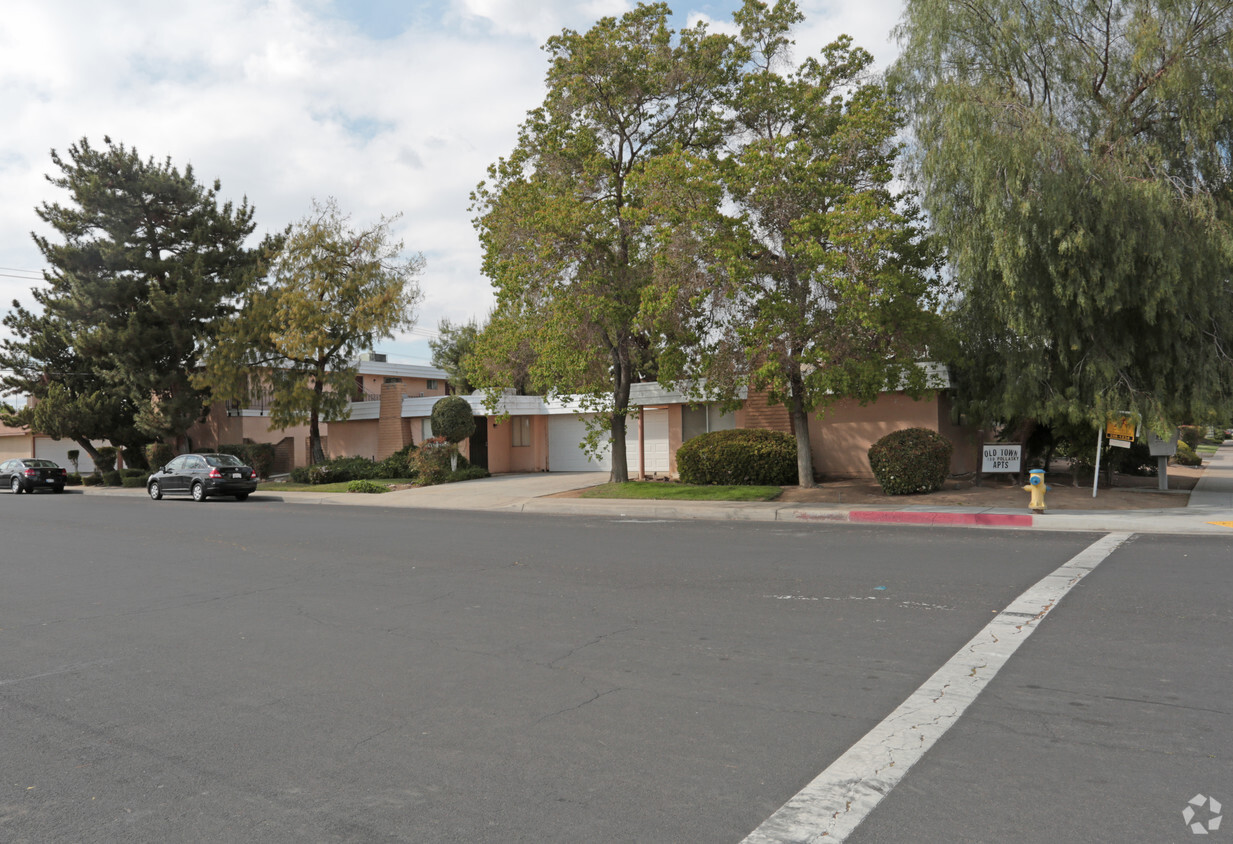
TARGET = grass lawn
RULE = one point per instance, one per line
(660, 491)
(287, 486)
(1207, 448)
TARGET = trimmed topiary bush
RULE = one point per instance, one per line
(1190, 435)
(159, 454)
(93, 479)
(132, 482)
(741, 456)
(910, 461)
(112, 478)
(453, 419)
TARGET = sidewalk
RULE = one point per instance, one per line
(1210, 509)
(1210, 501)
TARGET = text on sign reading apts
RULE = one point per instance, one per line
(1001, 458)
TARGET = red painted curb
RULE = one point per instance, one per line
(909, 518)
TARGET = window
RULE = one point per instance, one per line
(520, 436)
(389, 380)
(704, 419)
(432, 384)
(426, 429)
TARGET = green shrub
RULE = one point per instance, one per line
(133, 482)
(135, 458)
(470, 473)
(112, 478)
(911, 460)
(73, 479)
(1186, 455)
(398, 464)
(366, 486)
(134, 473)
(159, 454)
(107, 458)
(453, 419)
(261, 457)
(432, 465)
(1190, 435)
(94, 479)
(741, 456)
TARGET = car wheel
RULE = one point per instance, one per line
(57, 489)
(241, 496)
(199, 491)
(16, 486)
(155, 491)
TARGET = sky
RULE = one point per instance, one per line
(392, 107)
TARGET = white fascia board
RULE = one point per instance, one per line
(404, 370)
(364, 410)
(652, 392)
(414, 406)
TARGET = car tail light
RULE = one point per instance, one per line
(63, 472)
(214, 473)
(30, 473)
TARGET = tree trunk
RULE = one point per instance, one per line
(316, 454)
(619, 473)
(90, 450)
(800, 428)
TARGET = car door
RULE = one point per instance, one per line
(172, 476)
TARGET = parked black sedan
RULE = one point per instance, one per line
(203, 475)
(31, 474)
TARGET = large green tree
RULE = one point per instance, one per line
(1075, 157)
(800, 268)
(333, 291)
(143, 261)
(451, 350)
(558, 220)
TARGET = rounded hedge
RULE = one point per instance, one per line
(910, 461)
(453, 419)
(739, 457)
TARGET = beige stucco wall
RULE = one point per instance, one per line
(353, 438)
(372, 385)
(219, 429)
(505, 457)
(14, 442)
(841, 437)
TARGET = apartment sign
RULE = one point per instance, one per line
(1000, 457)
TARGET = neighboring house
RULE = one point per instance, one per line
(227, 423)
(543, 434)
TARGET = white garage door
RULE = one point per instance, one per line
(57, 450)
(565, 432)
(655, 441)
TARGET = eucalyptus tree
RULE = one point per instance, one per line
(332, 292)
(558, 219)
(1076, 157)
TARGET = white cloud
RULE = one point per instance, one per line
(288, 100)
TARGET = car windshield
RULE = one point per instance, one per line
(223, 460)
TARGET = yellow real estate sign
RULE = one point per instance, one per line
(1121, 429)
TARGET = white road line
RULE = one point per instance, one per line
(835, 803)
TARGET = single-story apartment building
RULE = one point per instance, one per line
(543, 434)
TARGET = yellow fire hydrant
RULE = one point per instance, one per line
(1036, 486)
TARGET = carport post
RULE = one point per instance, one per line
(641, 448)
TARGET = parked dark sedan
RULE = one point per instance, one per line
(30, 474)
(203, 475)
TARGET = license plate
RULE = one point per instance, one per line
(236, 475)
(50, 480)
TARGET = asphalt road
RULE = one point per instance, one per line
(271, 672)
